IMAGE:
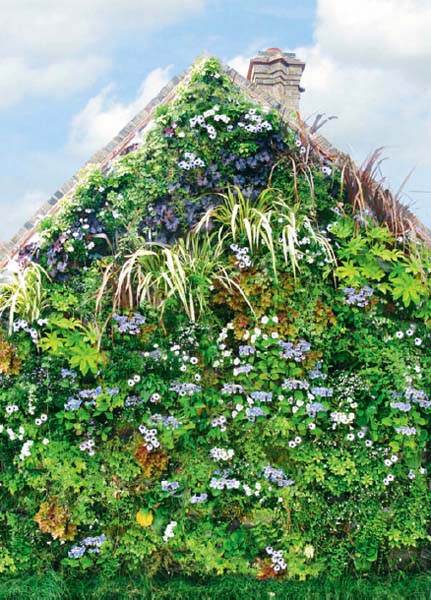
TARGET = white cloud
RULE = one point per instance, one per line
(391, 33)
(103, 116)
(240, 63)
(55, 46)
(369, 66)
(18, 212)
(19, 79)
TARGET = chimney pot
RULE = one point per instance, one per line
(279, 74)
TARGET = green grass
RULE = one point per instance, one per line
(52, 587)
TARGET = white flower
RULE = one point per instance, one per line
(350, 437)
(399, 335)
(131, 382)
(312, 426)
(418, 341)
(274, 335)
(264, 320)
(45, 441)
(136, 378)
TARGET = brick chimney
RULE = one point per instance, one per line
(279, 74)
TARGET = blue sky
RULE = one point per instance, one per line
(72, 74)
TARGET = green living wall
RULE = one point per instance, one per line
(216, 361)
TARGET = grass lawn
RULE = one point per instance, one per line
(53, 587)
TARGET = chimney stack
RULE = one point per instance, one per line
(279, 74)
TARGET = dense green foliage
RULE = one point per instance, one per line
(212, 364)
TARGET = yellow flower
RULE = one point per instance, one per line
(144, 518)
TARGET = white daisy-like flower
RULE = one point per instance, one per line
(131, 382)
